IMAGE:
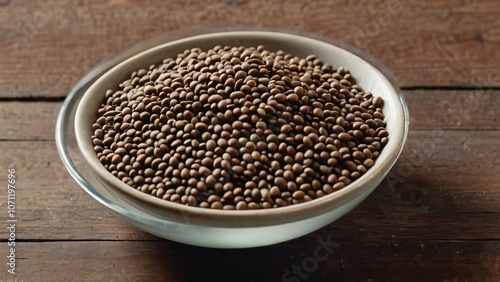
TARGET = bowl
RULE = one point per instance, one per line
(235, 228)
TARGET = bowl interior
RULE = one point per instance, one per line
(367, 76)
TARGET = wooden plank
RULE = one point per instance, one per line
(28, 120)
(459, 110)
(440, 186)
(338, 261)
(49, 46)
(440, 109)
(49, 199)
(443, 184)
(435, 218)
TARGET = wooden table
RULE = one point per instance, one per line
(437, 218)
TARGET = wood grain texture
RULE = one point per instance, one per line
(341, 261)
(47, 47)
(455, 109)
(28, 120)
(436, 217)
(429, 109)
(442, 184)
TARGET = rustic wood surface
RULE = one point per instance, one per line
(435, 218)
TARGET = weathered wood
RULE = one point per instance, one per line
(47, 47)
(443, 184)
(339, 261)
(49, 199)
(436, 217)
(429, 109)
(28, 120)
(460, 110)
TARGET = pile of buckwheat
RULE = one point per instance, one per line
(239, 128)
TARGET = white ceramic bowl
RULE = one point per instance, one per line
(241, 228)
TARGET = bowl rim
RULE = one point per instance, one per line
(248, 217)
